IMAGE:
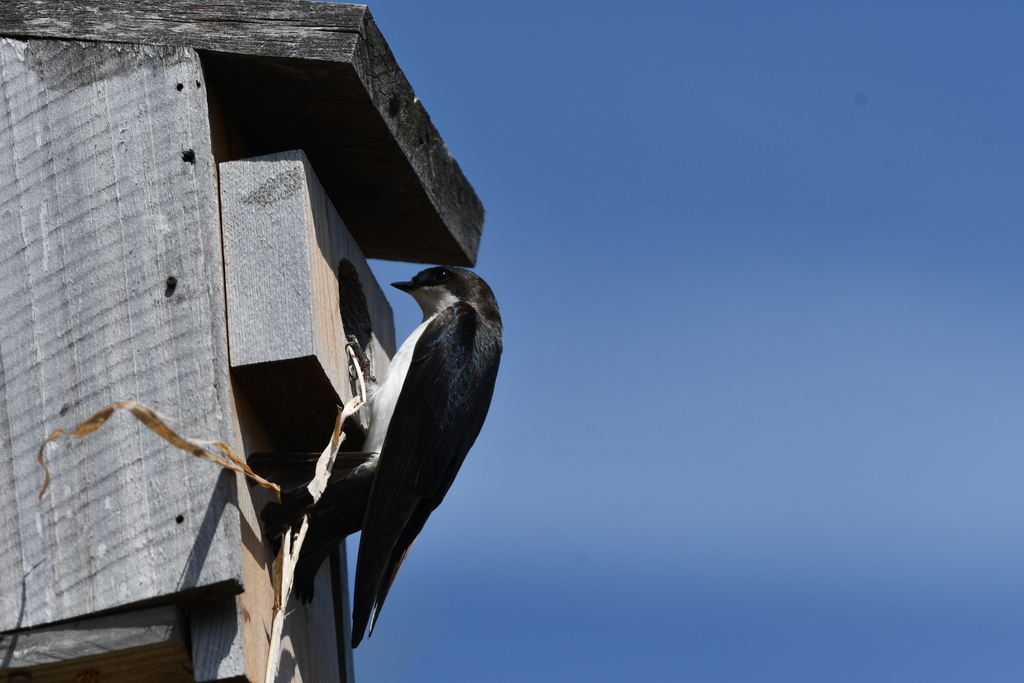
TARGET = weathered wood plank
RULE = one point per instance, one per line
(252, 611)
(306, 75)
(225, 646)
(296, 283)
(255, 605)
(342, 613)
(107, 189)
(144, 644)
(231, 638)
(292, 271)
(218, 644)
(309, 642)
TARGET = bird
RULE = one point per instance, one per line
(424, 416)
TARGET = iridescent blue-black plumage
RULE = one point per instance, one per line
(437, 417)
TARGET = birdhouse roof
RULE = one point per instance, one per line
(316, 76)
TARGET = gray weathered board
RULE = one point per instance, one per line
(107, 188)
(306, 75)
(236, 630)
(296, 283)
(342, 614)
(292, 272)
(112, 649)
(225, 648)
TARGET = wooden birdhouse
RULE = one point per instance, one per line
(188, 193)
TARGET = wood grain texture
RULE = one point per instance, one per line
(342, 613)
(306, 653)
(225, 646)
(296, 283)
(107, 188)
(306, 75)
(218, 644)
(121, 648)
(309, 642)
(256, 604)
(291, 268)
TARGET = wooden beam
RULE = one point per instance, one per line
(310, 640)
(108, 189)
(291, 271)
(146, 644)
(255, 606)
(342, 614)
(316, 76)
(296, 284)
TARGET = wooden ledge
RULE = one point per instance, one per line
(131, 646)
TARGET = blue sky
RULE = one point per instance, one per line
(761, 409)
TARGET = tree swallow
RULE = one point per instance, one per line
(423, 418)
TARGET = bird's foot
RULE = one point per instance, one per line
(364, 362)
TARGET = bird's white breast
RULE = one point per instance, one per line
(382, 398)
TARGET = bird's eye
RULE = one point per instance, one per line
(442, 275)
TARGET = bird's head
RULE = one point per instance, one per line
(437, 288)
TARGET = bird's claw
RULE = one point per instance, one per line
(364, 361)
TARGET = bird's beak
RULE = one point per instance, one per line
(404, 286)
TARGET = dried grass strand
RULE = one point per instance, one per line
(157, 423)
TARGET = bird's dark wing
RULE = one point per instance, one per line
(474, 421)
(338, 513)
(437, 417)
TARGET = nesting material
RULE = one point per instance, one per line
(157, 423)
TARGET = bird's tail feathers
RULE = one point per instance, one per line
(385, 586)
(374, 565)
